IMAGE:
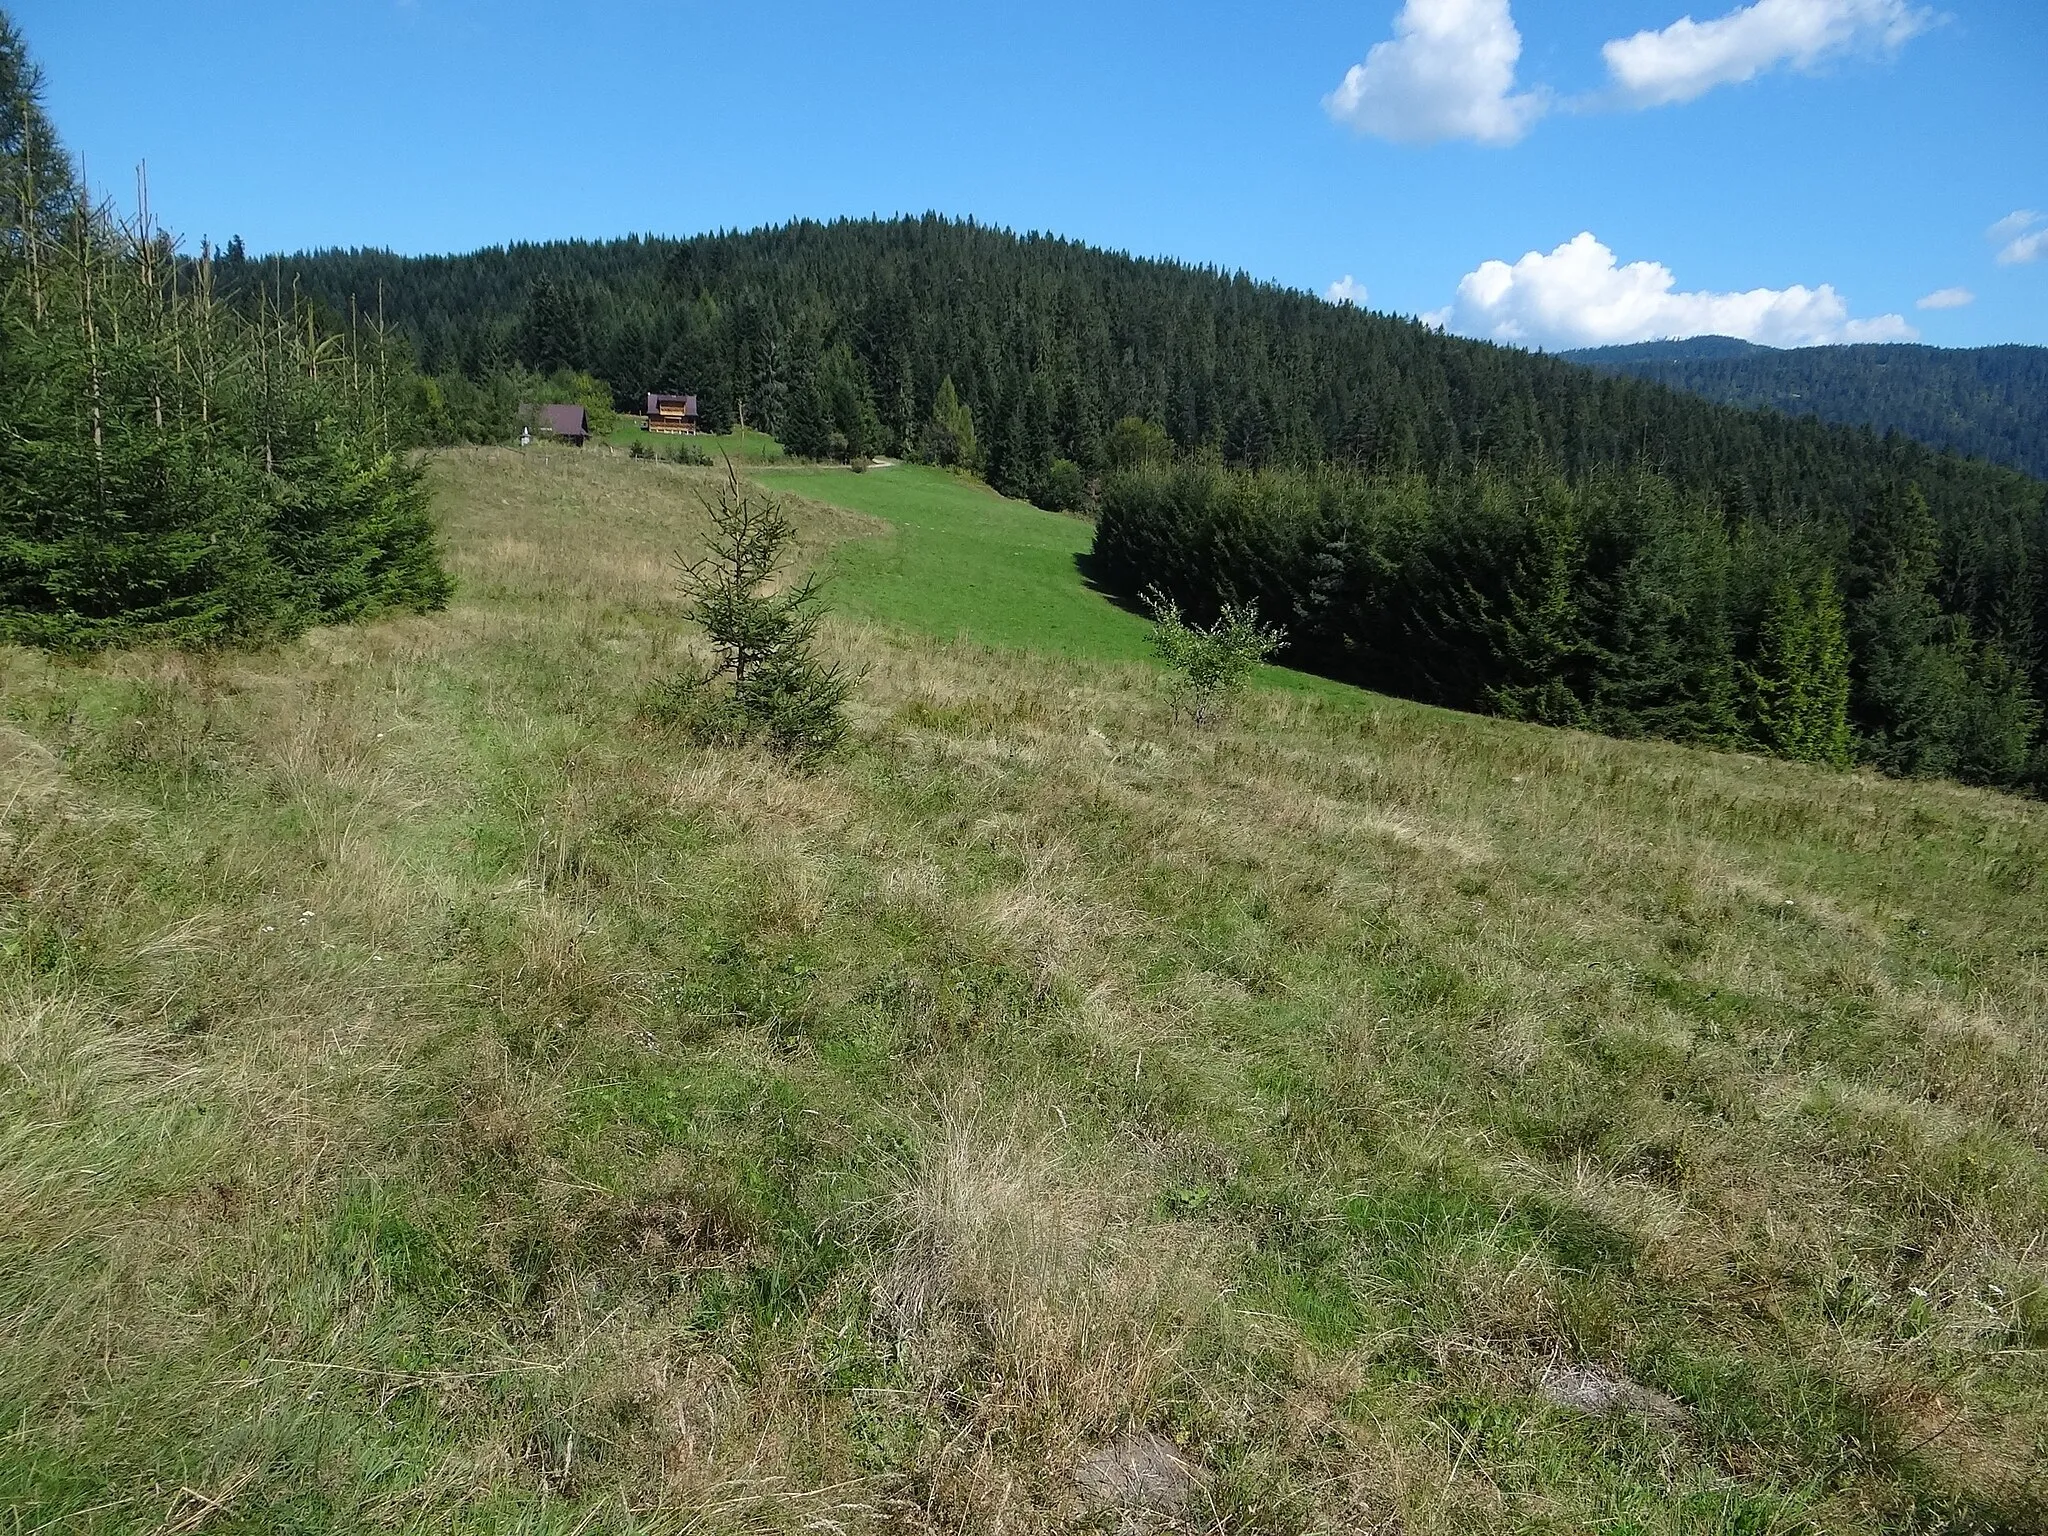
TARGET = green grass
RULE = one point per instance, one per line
(434, 1099)
(749, 447)
(962, 561)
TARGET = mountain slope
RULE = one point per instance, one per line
(1988, 403)
(436, 1100)
(827, 334)
(819, 329)
(848, 337)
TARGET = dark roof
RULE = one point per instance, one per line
(688, 403)
(565, 420)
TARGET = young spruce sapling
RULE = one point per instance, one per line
(766, 680)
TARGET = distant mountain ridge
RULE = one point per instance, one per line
(1985, 402)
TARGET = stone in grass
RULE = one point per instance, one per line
(1588, 1389)
(1139, 1473)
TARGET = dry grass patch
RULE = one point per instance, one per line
(1042, 1318)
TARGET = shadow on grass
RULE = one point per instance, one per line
(1091, 572)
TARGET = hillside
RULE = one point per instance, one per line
(1038, 362)
(851, 328)
(435, 1099)
(1987, 402)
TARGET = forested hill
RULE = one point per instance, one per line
(855, 325)
(846, 337)
(1987, 402)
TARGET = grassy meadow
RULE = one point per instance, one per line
(742, 447)
(963, 562)
(434, 1099)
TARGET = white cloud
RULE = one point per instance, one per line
(1346, 290)
(1449, 73)
(1689, 58)
(1577, 296)
(2027, 248)
(1947, 298)
(2018, 246)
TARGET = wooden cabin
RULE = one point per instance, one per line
(569, 423)
(672, 413)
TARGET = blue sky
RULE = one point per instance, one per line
(1769, 150)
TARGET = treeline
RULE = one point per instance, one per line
(1986, 402)
(429, 409)
(174, 467)
(1620, 603)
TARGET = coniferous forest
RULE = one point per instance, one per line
(181, 466)
(1621, 602)
(1470, 524)
(1986, 402)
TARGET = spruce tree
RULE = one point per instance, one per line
(1546, 655)
(1799, 682)
(806, 420)
(1995, 734)
(38, 185)
(552, 338)
(176, 469)
(1658, 567)
(855, 430)
(1918, 678)
(949, 436)
(766, 678)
